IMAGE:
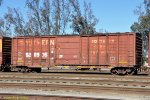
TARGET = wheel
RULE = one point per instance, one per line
(19, 69)
(119, 71)
(23, 69)
(113, 71)
(135, 72)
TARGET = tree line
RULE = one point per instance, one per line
(142, 26)
(49, 17)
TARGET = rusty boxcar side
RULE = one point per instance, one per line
(67, 50)
(33, 52)
(121, 52)
(112, 50)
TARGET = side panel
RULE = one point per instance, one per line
(127, 50)
(43, 54)
(28, 51)
(21, 51)
(112, 50)
(37, 48)
(121, 50)
(52, 51)
(18, 52)
(33, 51)
(14, 55)
(68, 50)
(84, 50)
(46, 51)
(103, 50)
(131, 49)
(124, 41)
(93, 51)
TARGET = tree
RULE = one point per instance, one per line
(65, 15)
(19, 23)
(61, 15)
(83, 23)
(142, 26)
(5, 24)
(15, 21)
(35, 16)
(56, 16)
(90, 18)
(46, 17)
(50, 17)
(1, 2)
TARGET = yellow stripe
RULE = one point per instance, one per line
(121, 62)
(20, 61)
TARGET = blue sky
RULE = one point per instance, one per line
(113, 15)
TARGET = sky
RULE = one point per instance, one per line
(113, 15)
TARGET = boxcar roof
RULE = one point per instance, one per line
(98, 34)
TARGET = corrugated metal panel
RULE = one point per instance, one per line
(28, 53)
(112, 50)
(103, 50)
(68, 50)
(52, 43)
(93, 50)
(37, 50)
(20, 51)
(84, 50)
(123, 50)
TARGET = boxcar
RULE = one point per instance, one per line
(5, 53)
(119, 52)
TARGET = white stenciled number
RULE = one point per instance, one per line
(44, 55)
(94, 41)
(28, 54)
(36, 54)
(112, 58)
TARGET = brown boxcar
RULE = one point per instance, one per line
(5, 53)
(122, 52)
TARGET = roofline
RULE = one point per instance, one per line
(98, 34)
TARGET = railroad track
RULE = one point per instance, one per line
(62, 84)
(53, 87)
(78, 81)
(76, 91)
(104, 83)
(75, 76)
